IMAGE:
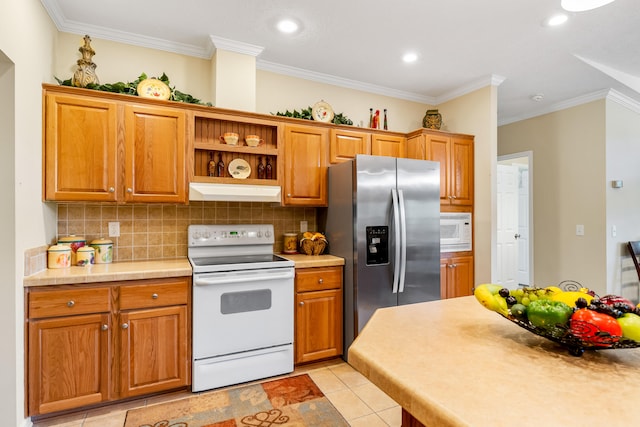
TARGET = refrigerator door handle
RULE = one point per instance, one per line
(396, 220)
(403, 241)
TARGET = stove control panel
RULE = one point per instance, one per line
(223, 235)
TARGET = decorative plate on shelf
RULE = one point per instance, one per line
(322, 112)
(239, 168)
(153, 88)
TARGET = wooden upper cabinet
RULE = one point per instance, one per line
(155, 142)
(455, 154)
(388, 145)
(103, 148)
(346, 144)
(81, 143)
(305, 164)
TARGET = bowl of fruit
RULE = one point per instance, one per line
(576, 319)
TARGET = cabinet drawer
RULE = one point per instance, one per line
(318, 278)
(154, 294)
(68, 302)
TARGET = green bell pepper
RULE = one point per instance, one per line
(547, 314)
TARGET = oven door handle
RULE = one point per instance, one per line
(244, 278)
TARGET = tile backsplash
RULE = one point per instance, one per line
(149, 231)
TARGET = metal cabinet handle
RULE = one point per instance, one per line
(129, 190)
(105, 327)
(301, 302)
(125, 325)
(112, 190)
(288, 194)
(321, 280)
(154, 296)
(71, 303)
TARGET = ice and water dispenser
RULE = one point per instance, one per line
(377, 245)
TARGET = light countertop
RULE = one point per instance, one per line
(133, 270)
(307, 261)
(455, 363)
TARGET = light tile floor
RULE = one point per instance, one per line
(360, 402)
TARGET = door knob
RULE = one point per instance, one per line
(516, 236)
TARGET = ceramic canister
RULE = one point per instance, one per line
(86, 255)
(104, 250)
(290, 245)
(74, 242)
(59, 256)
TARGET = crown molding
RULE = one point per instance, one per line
(624, 100)
(342, 82)
(124, 37)
(235, 46)
(492, 80)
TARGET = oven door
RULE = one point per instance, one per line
(242, 310)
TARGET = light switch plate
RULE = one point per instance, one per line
(303, 226)
(579, 230)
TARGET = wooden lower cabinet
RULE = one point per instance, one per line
(456, 276)
(89, 344)
(68, 362)
(318, 314)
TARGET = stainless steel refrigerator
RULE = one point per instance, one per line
(383, 218)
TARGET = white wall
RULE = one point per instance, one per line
(622, 204)
(27, 39)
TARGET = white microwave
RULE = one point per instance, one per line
(455, 231)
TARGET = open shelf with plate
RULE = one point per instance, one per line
(210, 147)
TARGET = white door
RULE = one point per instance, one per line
(523, 227)
(507, 227)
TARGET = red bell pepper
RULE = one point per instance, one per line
(595, 328)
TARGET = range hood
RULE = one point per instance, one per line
(234, 192)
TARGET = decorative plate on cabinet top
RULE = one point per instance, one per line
(322, 112)
(239, 168)
(153, 88)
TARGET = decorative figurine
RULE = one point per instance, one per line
(269, 168)
(220, 166)
(376, 120)
(385, 119)
(370, 117)
(86, 72)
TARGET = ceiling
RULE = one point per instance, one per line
(461, 45)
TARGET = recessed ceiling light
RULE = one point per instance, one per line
(582, 5)
(410, 57)
(287, 26)
(556, 20)
(537, 97)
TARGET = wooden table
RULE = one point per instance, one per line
(454, 363)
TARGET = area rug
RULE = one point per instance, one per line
(290, 402)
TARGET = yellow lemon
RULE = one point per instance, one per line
(570, 298)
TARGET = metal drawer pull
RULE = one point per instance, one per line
(154, 296)
(105, 327)
(320, 280)
(71, 303)
(301, 302)
(125, 325)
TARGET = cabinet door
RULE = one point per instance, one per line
(318, 325)
(305, 164)
(444, 291)
(345, 144)
(155, 168)
(80, 141)
(459, 276)
(461, 173)
(153, 350)
(388, 145)
(438, 149)
(68, 363)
